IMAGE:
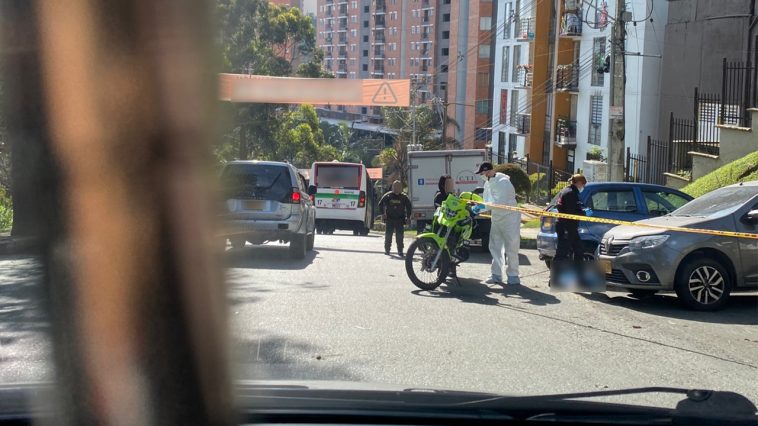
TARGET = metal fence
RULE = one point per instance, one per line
(682, 134)
(706, 116)
(636, 167)
(551, 176)
(658, 161)
(737, 93)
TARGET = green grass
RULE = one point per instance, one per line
(532, 224)
(743, 170)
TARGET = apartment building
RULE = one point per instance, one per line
(468, 70)
(380, 39)
(566, 109)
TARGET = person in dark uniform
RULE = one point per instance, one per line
(396, 212)
(569, 243)
(446, 187)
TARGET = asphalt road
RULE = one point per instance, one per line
(348, 312)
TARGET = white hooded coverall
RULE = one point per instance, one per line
(505, 231)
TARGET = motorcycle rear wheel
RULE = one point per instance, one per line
(420, 255)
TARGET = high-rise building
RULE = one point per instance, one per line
(380, 39)
(469, 71)
(553, 90)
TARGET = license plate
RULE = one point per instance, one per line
(605, 266)
(253, 205)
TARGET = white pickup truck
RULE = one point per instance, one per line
(426, 168)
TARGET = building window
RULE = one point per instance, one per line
(483, 107)
(483, 79)
(365, 67)
(445, 51)
(365, 53)
(516, 60)
(352, 48)
(596, 119)
(514, 107)
(503, 106)
(354, 33)
(485, 23)
(508, 18)
(365, 9)
(484, 51)
(354, 18)
(365, 39)
(505, 63)
(445, 17)
(598, 56)
(483, 134)
(365, 24)
(355, 5)
(445, 35)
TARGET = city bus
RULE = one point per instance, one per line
(343, 196)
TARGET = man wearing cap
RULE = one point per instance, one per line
(505, 231)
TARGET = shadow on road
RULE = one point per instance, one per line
(21, 308)
(742, 308)
(273, 357)
(486, 259)
(266, 257)
(349, 234)
(475, 291)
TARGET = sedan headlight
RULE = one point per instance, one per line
(652, 241)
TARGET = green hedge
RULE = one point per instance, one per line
(743, 170)
(6, 211)
(519, 178)
(558, 187)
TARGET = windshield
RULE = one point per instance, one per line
(256, 181)
(200, 194)
(718, 203)
(346, 177)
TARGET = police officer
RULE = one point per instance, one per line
(569, 243)
(396, 212)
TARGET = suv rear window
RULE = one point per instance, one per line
(257, 182)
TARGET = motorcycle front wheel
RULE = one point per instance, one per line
(418, 261)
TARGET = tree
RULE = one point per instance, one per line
(258, 37)
(407, 122)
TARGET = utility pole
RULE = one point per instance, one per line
(618, 95)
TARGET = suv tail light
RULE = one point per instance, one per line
(362, 199)
(295, 199)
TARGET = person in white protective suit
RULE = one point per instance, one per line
(505, 231)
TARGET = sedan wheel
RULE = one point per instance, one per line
(703, 285)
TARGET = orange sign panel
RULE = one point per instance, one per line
(291, 90)
(374, 173)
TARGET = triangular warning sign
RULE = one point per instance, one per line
(384, 95)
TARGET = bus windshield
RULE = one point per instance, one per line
(338, 176)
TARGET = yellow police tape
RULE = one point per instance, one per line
(556, 215)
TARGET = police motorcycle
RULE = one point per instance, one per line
(435, 255)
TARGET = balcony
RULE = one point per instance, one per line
(378, 53)
(379, 22)
(567, 78)
(380, 6)
(425, 34)
(525, 29)
(525, 76)
(342, 41)
(425, 3)
(571, 25)
(343, 10)
(379, 38)
(522, 123)
(343, 26)
(329, 11)
(343, 54)
(565, 132)
(378, 72)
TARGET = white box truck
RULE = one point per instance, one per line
(426, 168)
